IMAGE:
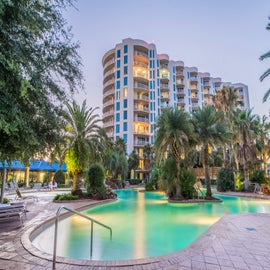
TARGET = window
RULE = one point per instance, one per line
(188, 75)
(118, 106)
(125, 103)
(125, 126)
(125, 115)
(117, 95)
(125, 90)
(125, 70)
(118, 84)
(117, 128)
(125, 137)
(125, 59)
(117, 117)
(125, 81)
(125, 48)
(118, 74)
(118, 53)
(118, 63)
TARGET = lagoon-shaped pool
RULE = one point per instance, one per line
(144, 224)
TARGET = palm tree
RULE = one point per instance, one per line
(245, 128)
(133, 162)
(210, 132)
(173, 132)
(147, 157)
(82, 137)
(227, 100)
(267, 72)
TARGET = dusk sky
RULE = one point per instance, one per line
(224, 38)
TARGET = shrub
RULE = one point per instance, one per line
(66, 196)
(59, 177)
(258, 177)
(187, 180)
(95, 182)
(239, 182)
(150, 186)
(5, 200)
(134, 181)
(225, 180)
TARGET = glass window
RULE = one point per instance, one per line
(118, 106)
(118, 53)
(125, 81)
(118, 74)
(188, 75)
(117, 128)
(117, 117)
(125, 126)
(125, 115)
(125, 137)
(125, 48)
(125, 70)
(125, 91)
(125, 103)
(117, 95)
(118, 84)
(118, 64)
(125, 59)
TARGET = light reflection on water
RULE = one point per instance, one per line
(143, 224)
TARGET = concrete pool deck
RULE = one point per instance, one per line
(234, 242)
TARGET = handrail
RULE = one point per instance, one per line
(82, 215)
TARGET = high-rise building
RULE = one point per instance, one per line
(138, 83)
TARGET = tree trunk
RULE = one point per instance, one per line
(206, 172)
(178, 184)
(27, 169)
(246, 177)
(3, 185)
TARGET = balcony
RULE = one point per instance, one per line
(140, 64)
(194, 97)
(141, 119)
(108, 124)
(193, 79)
(108, 103)
(194, 90)
(110, 82)
(180, 74)
(141, 109)
(139, 143)
(181, 101)
(108, 114)
(142, 86)
(165, 98)
(108, 73)
(180, 83)
(164, 75)
(141, 98)
(181, 92)
(195, 105)
(108, 93)
(141, 132)
(141, 73)
(207, 93)
(110, 62)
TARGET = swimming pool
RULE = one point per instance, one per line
(144, 225)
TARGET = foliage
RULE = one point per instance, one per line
(239, 182)
(81, 133)
(66, 196)
(225, 180)
(267, 72)
(46, 177)
(150, 186)
(59, 177)
(134, 181)
(95, 182)
(5, 200)
(187, 180)
(210, 132)
(259, 177)
(37, 57)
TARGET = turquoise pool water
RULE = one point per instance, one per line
(143, 224)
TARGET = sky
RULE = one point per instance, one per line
(222, 37)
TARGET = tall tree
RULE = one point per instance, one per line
(267, 72)
(245, 128)
(82, 137)
(210, 132)
(39, 67)
(173, 132)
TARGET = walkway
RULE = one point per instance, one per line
(234, 242)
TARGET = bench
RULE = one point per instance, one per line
(15, 211)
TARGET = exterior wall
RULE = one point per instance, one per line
(138, 83)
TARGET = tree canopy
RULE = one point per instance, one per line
(40, 68)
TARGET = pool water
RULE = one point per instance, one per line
(144, 224)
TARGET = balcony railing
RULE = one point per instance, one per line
(144, 109)
(140, 64)
(108, 103)
(164, 85)
(108, 93)
(145, 98)
(108, 83)
(141, 119)
(141, 85)
(112, 61)
(140, 143)
(108, 124)
(138, 53)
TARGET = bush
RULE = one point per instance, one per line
(66, 196)
(95, 182)
(134, 181)
(239, 182)
(225, 180)
(59, 177)
(258, 177)
(187, 180)
(5, 200)
(150, 186)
